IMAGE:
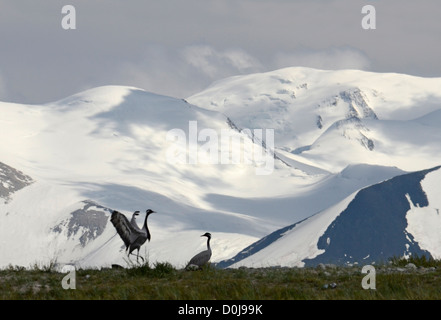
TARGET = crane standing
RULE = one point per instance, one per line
(133, 220)
(202, 258)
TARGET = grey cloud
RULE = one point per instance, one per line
(183, 71)
(215, 63)
(177, 47)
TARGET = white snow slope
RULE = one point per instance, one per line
(118, 148)
(425, 223)
(334, 118)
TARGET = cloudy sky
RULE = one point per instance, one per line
(179, 47)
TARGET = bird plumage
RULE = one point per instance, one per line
(132, 235)
(203, 257)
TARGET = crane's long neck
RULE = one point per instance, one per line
(208, 243)
(146, 228)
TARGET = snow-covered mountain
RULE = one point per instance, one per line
(377, 118)
(66, 165)
(333, 121)
(112, 148)
(397, 217)
(109, 148)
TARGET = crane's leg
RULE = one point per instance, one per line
(137, 256)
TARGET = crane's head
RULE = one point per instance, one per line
(149, 211)
(206, 234)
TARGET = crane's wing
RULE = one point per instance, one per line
(124, 228)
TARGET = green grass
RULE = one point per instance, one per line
(163, 281)
(421, 261)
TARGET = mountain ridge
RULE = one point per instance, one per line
(107, 148)
(357, 233)
(352, 106)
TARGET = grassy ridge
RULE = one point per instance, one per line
(164, 282)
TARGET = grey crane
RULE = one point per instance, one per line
(133, 220)
(133, 237)
(202, 257)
